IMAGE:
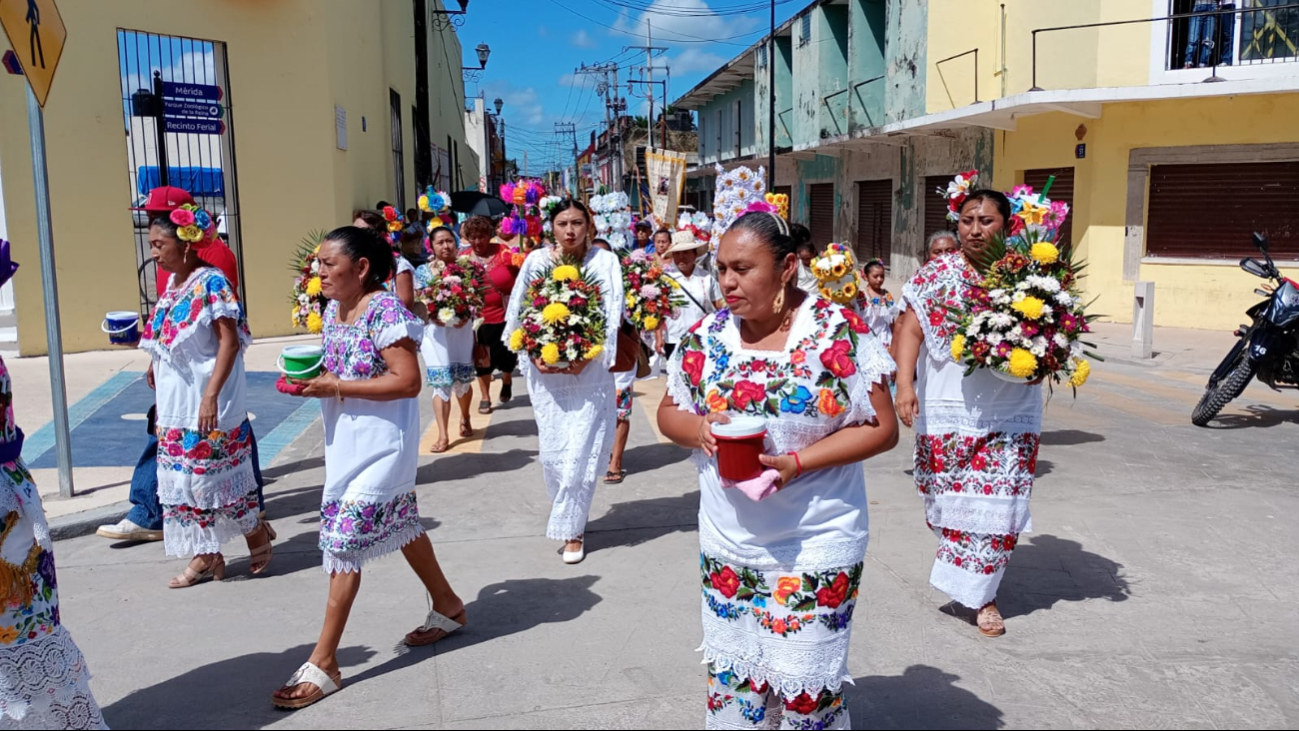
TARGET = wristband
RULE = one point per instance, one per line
(798, 463)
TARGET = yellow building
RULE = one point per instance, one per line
(322, 110)
(1168, 173)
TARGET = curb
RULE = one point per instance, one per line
(85, 522)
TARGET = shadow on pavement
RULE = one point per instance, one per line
(297, 552)
(649, 457)
(1259, 416)
(514, 428)
(233, 693)
(1066, 437)
(463, 466)
(290, 468)
(922, 697)
(1046, 569)
(518, 605)
(640, 521)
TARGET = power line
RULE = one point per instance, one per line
(687, 39)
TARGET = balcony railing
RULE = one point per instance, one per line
(974, 51)
(1264, 37)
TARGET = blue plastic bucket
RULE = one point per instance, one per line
(123, 327)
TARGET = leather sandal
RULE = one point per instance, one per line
(263, 553)
(309, 673)
(216, 570)
(990, 621)
(446, 625)
(485, 406)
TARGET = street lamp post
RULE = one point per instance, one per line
(472, 74)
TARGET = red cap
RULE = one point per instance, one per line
(166, 199)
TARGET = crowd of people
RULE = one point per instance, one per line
(781, 555)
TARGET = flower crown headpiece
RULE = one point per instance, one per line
(396, 222)
(837, 274)
(193, 224)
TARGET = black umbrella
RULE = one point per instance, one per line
(478, 204)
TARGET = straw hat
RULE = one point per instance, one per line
(685, 241)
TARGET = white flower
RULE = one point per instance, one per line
(997, 293)
(1019, 297)
(1076, 349)
(1065, 299)
(446, 314)
(315, 267)
(1003, 320)
(995, 338)
(1038, 350)
(1061, 341)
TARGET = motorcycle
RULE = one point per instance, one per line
(1268, 348)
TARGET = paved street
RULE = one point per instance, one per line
(1157, 591)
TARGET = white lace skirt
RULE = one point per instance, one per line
(44, 684)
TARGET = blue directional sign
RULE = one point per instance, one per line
(186, 108)
(196, 126)
(195, 92)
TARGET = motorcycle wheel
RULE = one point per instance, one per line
(1227, 389)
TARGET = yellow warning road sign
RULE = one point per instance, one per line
(36, 33)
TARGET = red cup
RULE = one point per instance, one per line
(739, 444)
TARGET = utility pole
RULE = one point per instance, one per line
(602, 89)
(619, 108)
(648, 48)
(771, 101)
(571, 129)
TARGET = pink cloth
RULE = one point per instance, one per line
(762, 486)
(284, 386)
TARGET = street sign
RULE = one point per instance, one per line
(36, 33)
(186, 108)
(10, 61)
(195, 92)
(194, 126)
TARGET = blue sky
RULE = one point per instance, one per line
(537, 44)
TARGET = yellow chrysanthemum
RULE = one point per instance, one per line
(1082, 370)
(594, 352)
(516, 340)
(1045, 253)
(958, 348)
(1030, 307)
(1023, 364)
(550, 353)
(314, 287)
(565, 273)
(651, 323)
(315, 323)
(631, 302)
(555, 312)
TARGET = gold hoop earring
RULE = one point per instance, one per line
(779, 304)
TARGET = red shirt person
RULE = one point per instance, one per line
(161, 202)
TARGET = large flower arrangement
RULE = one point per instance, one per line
(652, 295)
(563, 321)
(546, 208)
(455, 291)
(699, 223)
(736, 190)
(1027, 318)
(836, 272)
(306, 298)
(612, 213)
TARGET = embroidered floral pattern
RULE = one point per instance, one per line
(351, 352)
(797, 601)
(940, 290)
(180, 310)
(192, 452)
(448, 376)
(809, 379)
(186, 516)
(978, 553)
(625, 399)
(353, 526)
(998, 464)
(739, 702)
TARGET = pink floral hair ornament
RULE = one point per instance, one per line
(194, 225)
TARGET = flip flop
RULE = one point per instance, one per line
(615, 478)
(309, 673)
(485, 406)
(439, 446)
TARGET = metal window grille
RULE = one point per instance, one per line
(398, 157)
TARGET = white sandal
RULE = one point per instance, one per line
(309, 673)
(435, 621)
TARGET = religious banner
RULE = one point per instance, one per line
(666, 173)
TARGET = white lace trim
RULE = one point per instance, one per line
(985, 514)
(791, 666)
(396, 332)
(939, 416)
(336, 564)
(206, 491)
(184, 541)
(968, 588)
(795, 557)
(45, 684)
(874, 366)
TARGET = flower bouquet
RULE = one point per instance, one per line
(307, 298)
(454, 293)
(836, 272)
(562, 322)
(652, 295)
(1027, 317)
(612, 218)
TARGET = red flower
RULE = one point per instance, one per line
(979, 462)
(856, 322)
(758, 689)
(202, 450)
(726, 582)
(835, 594)
(693, 364)
(988, 569)
(747, 392)
(804, 705)
(936, 318)
(837, 359)
(1008, 543)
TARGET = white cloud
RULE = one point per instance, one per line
(702, 23)
(692, 60)
(571, 80)
(584, 39)
(522, 104)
